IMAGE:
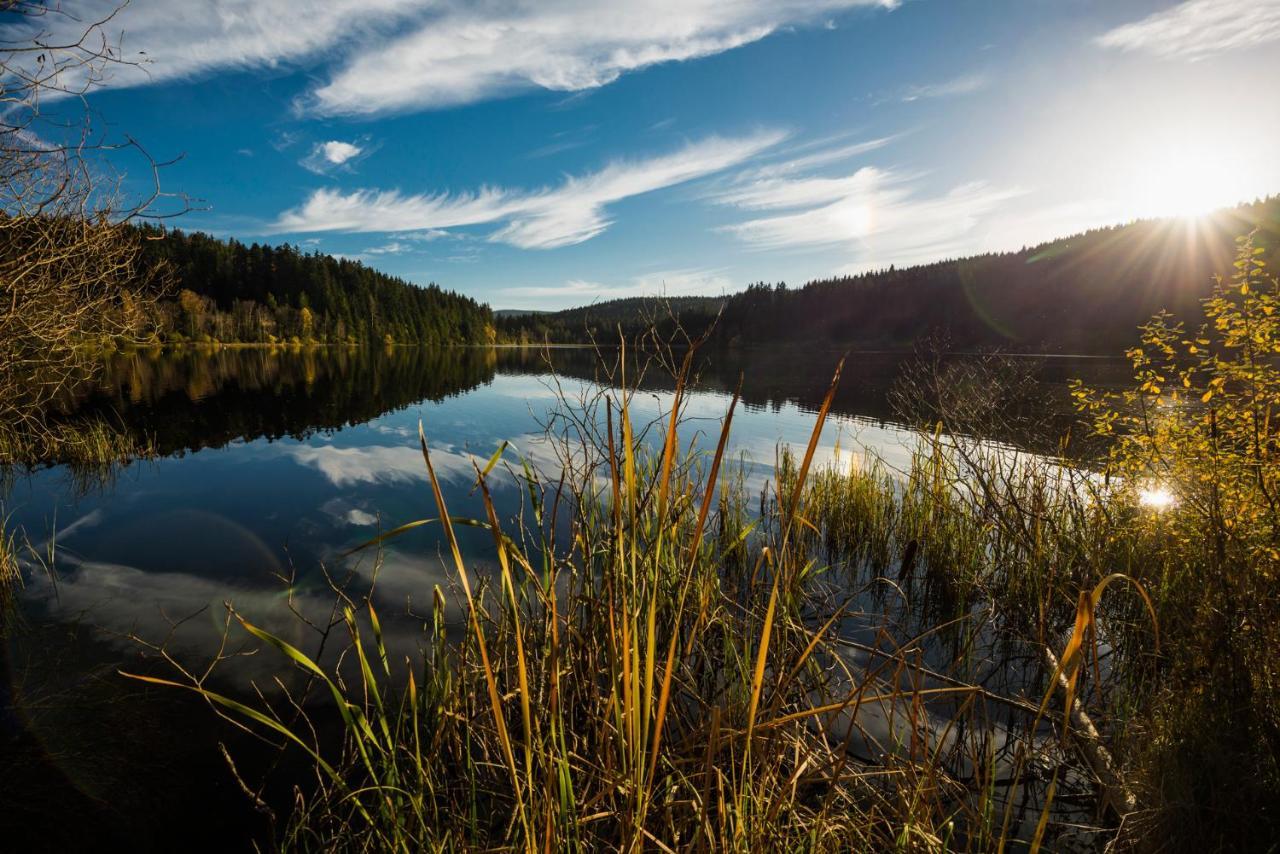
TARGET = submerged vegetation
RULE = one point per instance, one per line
(985, 649)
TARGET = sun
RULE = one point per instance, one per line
(1186, 179)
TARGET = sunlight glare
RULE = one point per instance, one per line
(1156, 497)
(1187, 178)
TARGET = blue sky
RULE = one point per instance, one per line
(547, 154)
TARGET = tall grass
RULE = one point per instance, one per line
(678, 674)
(983, 651)
(78, 443)
(10, 573)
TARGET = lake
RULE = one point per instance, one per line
(268, 467)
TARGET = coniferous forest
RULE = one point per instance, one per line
(223, 290)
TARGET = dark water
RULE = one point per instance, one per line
(270, 466)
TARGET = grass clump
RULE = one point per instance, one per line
(879, 659)
(669, 675)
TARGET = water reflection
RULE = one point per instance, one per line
(273, 464)
(197, 398)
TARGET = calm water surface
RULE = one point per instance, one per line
(270, 466)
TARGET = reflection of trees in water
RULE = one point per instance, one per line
(199, 398)
(1030, 393)
(171, 402)
(771, 378)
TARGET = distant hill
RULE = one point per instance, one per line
(602, 319)
(516, 312)
(1086, 293)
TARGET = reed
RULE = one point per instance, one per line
(673, 675)
(10, 573)
(985, 650)
(78, 443)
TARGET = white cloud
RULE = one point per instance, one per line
(395, 247)
(215, 35)
(334, 154)
(879, 214)
(1196, 29)
(546, 218)
(431, 234)
(461, 55)
(338, 152)
(766, 192)
(825, 155)
(405, 54)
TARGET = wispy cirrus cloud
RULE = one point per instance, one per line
(881, 215)
(395, 55)
(573, 212)
(463, 55)
(1196, 29)
(965, 84)
(785, 184)
(813, 154)
(161, 43)
(395, 247)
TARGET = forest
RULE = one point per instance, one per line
(223, 290)
(1083, 294)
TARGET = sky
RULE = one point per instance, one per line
(540, 155)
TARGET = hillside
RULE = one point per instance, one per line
(1081, 294)
(601, 320)
(227, 291)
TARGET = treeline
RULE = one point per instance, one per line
(1081, 294)
(601, 321)
(224, 290)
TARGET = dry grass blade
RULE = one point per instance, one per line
(668, 673)
(495, 698)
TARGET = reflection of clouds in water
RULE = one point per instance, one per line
(180, 610)
(380, 464)
(847, 443)
(392, 430)
(347, 466)
(185, 612)
(356, 516)
(343, 511)
(89, 520)
(405, 581)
